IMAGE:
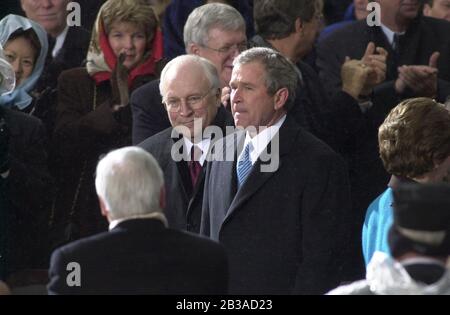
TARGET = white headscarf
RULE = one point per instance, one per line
(8, 25)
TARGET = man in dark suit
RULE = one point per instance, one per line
(419, 240)
(190, 86)
(213, 31)
(139, 255)
(283, 223)
(414, 68)
(68, 47)
(418, 48)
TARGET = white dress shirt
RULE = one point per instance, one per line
(202, 145)
(59, 41)
(261, 140)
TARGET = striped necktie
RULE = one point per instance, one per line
(244, 165)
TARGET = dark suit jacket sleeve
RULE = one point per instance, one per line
(58, 274)
(28, 173)
(219, 275)
(204, 225)
(348, 122)
(329, 64)
(149, 115)
(385, 98)
(325, 222)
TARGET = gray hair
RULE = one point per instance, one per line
(275, 19)
(207, 17)
(209, 70)
(129, 180)
(280, 72)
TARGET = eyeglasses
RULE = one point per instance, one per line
(173, 105)
(230, 48)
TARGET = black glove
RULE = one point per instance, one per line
(4, 146)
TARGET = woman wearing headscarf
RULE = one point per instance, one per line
(25, 47)
(93, 116)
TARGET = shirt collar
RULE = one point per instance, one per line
(261, 140)
(155, 215)
(59, 41)
(202, 145)
(390, 34)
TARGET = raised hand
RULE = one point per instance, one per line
(422, 80)
(375, 58)
(354, 74)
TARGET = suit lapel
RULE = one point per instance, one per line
(181, 167)
(222, 120)
(410, 41)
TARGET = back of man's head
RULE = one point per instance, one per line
(415, 137)
(421, 220)
(130, 182)
(275, 19)
(209, 16)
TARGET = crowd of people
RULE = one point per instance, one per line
(226, 147)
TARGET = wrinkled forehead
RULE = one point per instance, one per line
(185, 76)
(223, 37)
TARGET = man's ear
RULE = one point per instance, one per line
(299, 26)
(162, 198)
(104, 210)
(194, 49)
(281, 97)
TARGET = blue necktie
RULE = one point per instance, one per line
(244, 166)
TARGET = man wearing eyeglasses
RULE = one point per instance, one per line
(191, 90)
(213, 31)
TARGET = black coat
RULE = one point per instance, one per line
(284, 231)
(423, 37)
(184, 202)
(141, 257)
(27, 191)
